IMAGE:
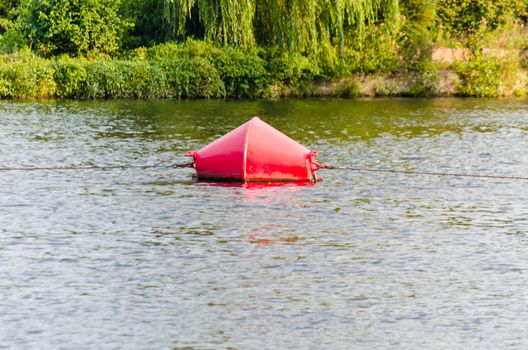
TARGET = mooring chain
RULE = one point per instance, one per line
(325, 166)
(183, 165)
(409, 172)
(319, 166)
(100, 167)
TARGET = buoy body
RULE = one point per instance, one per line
(255, 152)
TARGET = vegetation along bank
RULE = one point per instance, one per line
(86, 49)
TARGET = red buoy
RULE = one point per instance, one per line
(255, 151)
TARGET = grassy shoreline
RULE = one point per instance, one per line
(197, 69)
(448, 83)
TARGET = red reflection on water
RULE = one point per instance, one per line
(263, 192)
(281, 193)
(255, 185)
(266, 241)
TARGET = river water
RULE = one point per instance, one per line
(137, 258)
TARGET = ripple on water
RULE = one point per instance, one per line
(149, 258)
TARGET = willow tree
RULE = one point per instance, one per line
(309, 26)
(304, 26)
(222, 21)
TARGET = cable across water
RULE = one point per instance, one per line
(99, 167)
(431, 173)
(321, 166)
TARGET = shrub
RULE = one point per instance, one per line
(24, 75)
(109, 79)
(144, 80)
(12, 41)
(243, 73)
(426, 79)
(480, 77)
(294, 69)
(70, 76)
(195, 77)
(199, 69)
(102, 81)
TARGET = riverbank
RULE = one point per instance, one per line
(199, 70)
(444, 83)
(449, 72)
(155, 49)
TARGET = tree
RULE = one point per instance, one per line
(76, 27)
(7, 7)
(460, 17)
(302, 26)
(7, 15)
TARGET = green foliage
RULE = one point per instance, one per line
(353, 90)
(194, 69)
(350, 90)
(426, 81)
(110, 79)
(121, 79)
(189, 74)
(77, 27)
(12, 40)
(512, 35)
(294, 69)
(223, 21)
(193, 77)
(318, 29)
(144, 80)
(379, 52)
(7, 13)
(69, 75)
(25, 75)
(200, 69)
(481, 77)
(460, 17)
(147, 16)
(243, 73)
(416, 38)
(248, 48)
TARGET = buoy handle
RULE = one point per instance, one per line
(314, 166)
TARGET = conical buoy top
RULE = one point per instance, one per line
(255, 151)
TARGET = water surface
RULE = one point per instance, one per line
(148, 258)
